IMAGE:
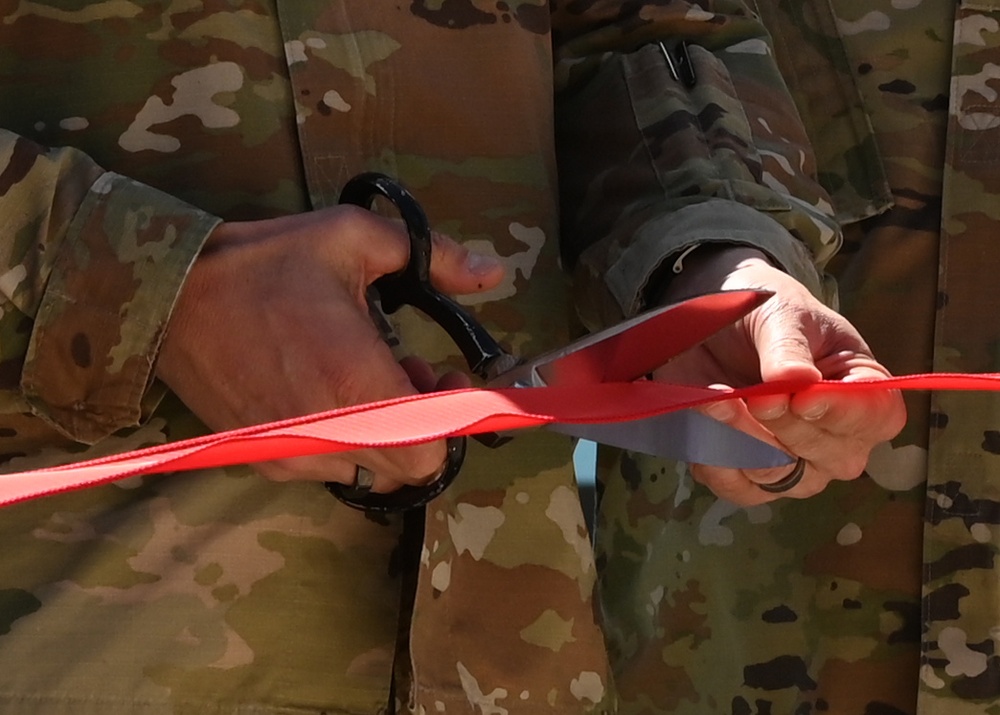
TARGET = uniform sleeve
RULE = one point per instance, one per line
(675, 129)
(91, 264)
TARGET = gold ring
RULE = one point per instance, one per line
(789, 482)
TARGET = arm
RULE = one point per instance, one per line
(92, 264)
(273, 323)
(653, 164)
(247, 322)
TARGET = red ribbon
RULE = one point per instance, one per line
(423, 418)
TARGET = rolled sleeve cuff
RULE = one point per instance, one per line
(664, 237)
(106, 306)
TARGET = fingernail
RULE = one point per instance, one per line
(480, 264)
(816, 411)
(721, 411)
(773, 413)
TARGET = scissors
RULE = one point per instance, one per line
(625, 352)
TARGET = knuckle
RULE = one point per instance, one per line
(419, 465)
(351, 221)
(851, 465)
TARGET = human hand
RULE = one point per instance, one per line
(790, 337)
(272, 323)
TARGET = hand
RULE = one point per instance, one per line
(272, 323)
(791, 336)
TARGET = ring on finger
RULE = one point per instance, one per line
(364, 480)
(788, 482)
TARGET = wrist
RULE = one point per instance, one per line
(705, 268)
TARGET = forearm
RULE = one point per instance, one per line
(93, 263)
(651, 165)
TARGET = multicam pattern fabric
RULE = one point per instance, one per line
(879, 595)
(675, 163)
(218, 592)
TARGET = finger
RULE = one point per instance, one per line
(386, 481)
(783, 346)
(343, 469)
(813, 404)
(395, 466)
(454, 381)
(767, 408)
(743, 485)
(384, 378)
(730, 484)
(784, 353)
(831, 455)
(384, 247)
(420, 372)
(746, 487)
(735, 414)
(851, 365)
(359, 237)
(317, 468)
(872, 415)
(869, 417)
(457, 270)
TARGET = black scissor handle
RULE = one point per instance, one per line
(412, 286)
(406, 497)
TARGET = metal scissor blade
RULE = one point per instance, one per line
(635, 347)
(685, 436)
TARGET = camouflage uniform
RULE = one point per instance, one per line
(879, 595)
(218, 592)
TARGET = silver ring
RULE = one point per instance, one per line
(364, 480)
(789, 482)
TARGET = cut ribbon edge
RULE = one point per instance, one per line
(426, 417)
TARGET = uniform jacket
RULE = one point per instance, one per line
(131, 128)
(879, 595)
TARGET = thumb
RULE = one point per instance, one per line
(784, 354)
(784, 349)
(457, 270)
